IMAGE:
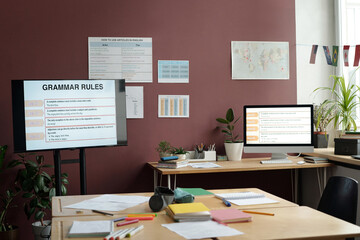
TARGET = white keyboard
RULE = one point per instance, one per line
(276, 161)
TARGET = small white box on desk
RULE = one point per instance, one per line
(206, 156)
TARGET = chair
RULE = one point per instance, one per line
(339, 198)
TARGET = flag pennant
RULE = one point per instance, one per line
(327, 55)
(357, 56)
(335, 55)
(346, 55)
(313, 54)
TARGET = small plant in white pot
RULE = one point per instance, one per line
(180, 153)
(233, 145)
(164, 149)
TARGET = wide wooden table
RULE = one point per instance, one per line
(345, 160)
(246, 164)
(290, 220)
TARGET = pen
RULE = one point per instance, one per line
(262, 213)
(139, 218)
(118, 219)
(101, 212)
(137, 229)
(127, 222)
(227, 203)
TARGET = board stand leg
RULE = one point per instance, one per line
(57, 170)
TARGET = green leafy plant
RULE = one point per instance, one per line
(343, 103)
(38, 187)
(322, 118)
(164, 147)
(6, 199)
(179, 150)
(228, 129)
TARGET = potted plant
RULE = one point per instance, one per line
(38, 188)
(7, 230)
(233, 145)
(180, 152)
(343, 103)
(322, 118)
(164, 149)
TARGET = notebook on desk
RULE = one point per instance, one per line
(246, 198)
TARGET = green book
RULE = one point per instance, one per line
(196, 191)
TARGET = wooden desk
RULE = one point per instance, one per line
(289, 222)
(210, 201)
(246, 164)
(345, 160)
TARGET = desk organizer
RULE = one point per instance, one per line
(206, 156)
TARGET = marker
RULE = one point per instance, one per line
(142, 215)
(127, 222)
(153, 214)
(137, 229)
(111, 235)
(119, 219)
(262, 213)
(123, 234)
(104, 213)
(227, 203)
(139, 218)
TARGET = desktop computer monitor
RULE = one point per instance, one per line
(278, 129)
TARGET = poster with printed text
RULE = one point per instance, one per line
(260, 60)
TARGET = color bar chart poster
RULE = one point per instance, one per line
(120, 58)
(171, 71)
(173, 106)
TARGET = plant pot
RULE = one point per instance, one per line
(181, 156)
(321, 140)
(12, 234)
(234, 151)
(42, 232)
(164, 154)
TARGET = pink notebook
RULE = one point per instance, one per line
(230, 215)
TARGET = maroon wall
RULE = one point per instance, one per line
(48, 40)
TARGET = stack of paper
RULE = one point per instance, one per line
(245, 198)
(91, 229)
(187, 212)
(230, 215)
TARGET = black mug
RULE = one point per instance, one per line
(162, 197)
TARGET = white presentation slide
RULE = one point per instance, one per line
(61, 114)
(278, 125)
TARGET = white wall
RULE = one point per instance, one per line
(315, 24)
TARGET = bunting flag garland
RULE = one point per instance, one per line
(335, 55)
(357, 56)
(327, 55)
(346, 55)
(313, 54)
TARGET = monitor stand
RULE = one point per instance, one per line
(276, 156)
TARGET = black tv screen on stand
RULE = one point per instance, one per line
(68, 114)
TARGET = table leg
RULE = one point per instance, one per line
(174, 181)
(169, 181)
(155, 179)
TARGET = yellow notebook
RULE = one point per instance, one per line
(181, 208)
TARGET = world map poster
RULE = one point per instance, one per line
(259, 60)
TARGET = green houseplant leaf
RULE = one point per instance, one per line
(228, 129)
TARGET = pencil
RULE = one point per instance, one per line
(262, 213)
(101, 212)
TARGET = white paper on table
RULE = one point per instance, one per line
(86, 227)
(108, 202)
(203, 229)
(204, 165)
(252, 201)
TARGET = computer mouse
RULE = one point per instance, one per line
(300, 162)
